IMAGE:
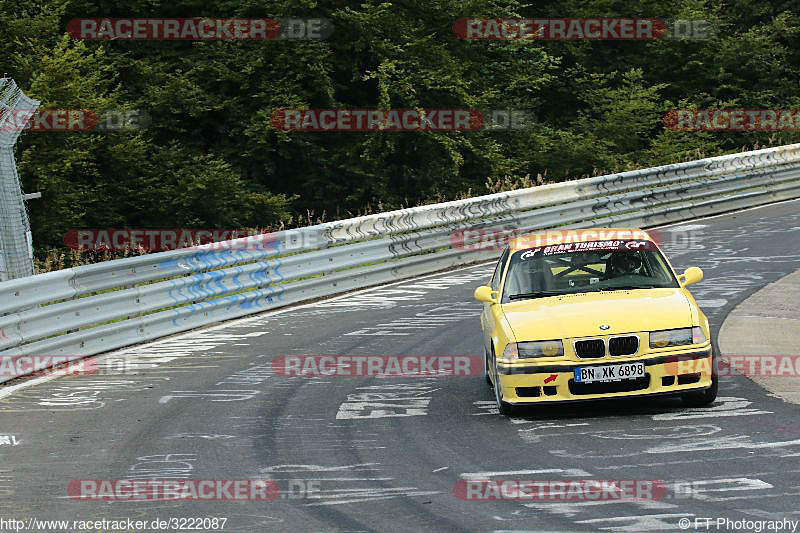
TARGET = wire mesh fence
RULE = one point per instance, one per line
(16, 246)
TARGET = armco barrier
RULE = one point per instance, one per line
(91, 309)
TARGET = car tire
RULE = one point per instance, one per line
(504, 408)
(704, 397)
(486, 370)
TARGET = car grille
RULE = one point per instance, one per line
(623, 345)
(626, 385)
(590, 348)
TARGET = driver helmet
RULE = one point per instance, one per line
(626, 262)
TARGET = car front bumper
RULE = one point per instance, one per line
(665, 373)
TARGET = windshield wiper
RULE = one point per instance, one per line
(542, 294)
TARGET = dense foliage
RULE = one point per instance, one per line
(212, 159)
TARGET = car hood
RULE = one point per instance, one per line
(581, 314)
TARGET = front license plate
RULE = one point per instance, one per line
(618, 372)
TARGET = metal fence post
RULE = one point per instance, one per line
(16, 243)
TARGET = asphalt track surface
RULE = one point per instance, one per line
(384, 454)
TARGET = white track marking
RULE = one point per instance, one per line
(726, 406)
(319, 468)
(651, 522)
(571, 472)
(572, 509)
(217, 396)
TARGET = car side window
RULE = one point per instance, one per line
(497, 276)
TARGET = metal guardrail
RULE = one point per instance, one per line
(91, 309)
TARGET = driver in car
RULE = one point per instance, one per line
(624, 263)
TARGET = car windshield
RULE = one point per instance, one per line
(586, 267)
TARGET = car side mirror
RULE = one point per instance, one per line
(690, 276)
(484, 293)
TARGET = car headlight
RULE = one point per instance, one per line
(528, 350)
(676, 337)
(698, 337)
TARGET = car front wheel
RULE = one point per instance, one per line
(505, 408)
(704, 397)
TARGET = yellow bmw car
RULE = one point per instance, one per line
(591, 314)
